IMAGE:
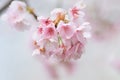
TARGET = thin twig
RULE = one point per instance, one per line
(31, 11)
(5, 6)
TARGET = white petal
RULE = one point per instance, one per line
(36, 52)
(87, 34)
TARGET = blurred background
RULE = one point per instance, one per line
(16, 62)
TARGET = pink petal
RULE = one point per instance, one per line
(80, 37)
(78, 51)
(49, 32)
(66, 30)
(75, 12)
(45, 21)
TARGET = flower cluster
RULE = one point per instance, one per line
(62, 36)
(58, 38)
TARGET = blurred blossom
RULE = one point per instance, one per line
(18, 16)
(104, 16)
(114, 61)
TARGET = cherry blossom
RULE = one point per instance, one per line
(58, 38)
(76, 10)
(44, 21)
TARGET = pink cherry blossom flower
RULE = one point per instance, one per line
(45, 32)
(50, 31)
(38, 34)
(66, 30)
(44, 21)
(60, 39)
(76, 11)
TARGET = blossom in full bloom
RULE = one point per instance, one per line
(76, 10)
(59, 38)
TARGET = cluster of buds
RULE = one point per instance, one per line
(62, 36)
